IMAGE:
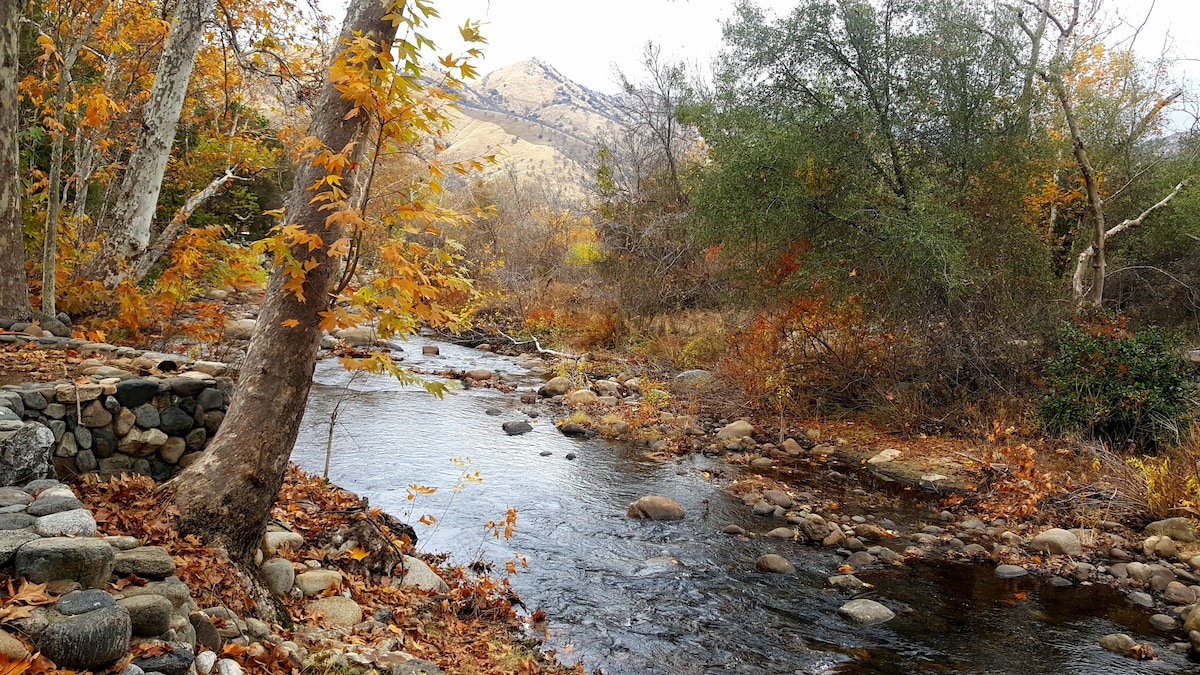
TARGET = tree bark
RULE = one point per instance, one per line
(142, 264)
(14, 289)
(226, 496)
(133, 212)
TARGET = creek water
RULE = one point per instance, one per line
(626, 596)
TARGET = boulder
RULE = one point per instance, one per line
(25, 455)
(778, 498)
(430, 350)
(735, 430)
(479, 374)
(279, 575)
(557, 386)
(94, 415)
(866, 612)
(150, 562)
(338, 611)
(133, 393)
(46, 504)
(82, 602)
(149, 615)
(420, 575)
(1010, 571)
(273, 541)
(11, 540)
(142, 443)
(516, 428)
(359, 336)
(87, 561)
(76, 522)
(1178, 529)
(1057, 541)
(82, 393)
(1117, 642)
(174, 421)
(582, 397)
(692, 381)
(774, 564)
(316, 582)
(89, 641)
(240, 329)
(655, 508)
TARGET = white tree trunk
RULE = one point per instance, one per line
(14, 290)
(133, 212)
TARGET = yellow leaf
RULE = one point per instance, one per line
(358, 553)
(289, 323)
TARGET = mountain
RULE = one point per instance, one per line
(541, 125)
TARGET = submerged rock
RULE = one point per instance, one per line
(775, 564)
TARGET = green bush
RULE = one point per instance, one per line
(1119, 385)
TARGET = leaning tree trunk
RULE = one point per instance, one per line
(133, 212)
(227, 495)
(14, 290)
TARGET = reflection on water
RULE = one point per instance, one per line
(638, 597)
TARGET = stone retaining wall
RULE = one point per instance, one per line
(134, 411)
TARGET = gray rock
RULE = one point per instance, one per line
(151, 562)
(655, 508)
(338, 610)
(516, 428)
(316, 582)
(86, 461)
(205, 661)
(34, 400)
(88, 561)
(778, 498)
(418, 574)
(1010, 571)
(279, 575)
(14, 495)
(210, 399)
(176, 661)
(83, 437)
(206, 633)
(195, 439)
(1140, 599)
(763, 508)
(1117, 642)
(174, 421)
(104, 443)
(846, 582)
(45, 505)
(692, 381)
(735, 430)
(1163, 622)
(149, 615)
(122, 543)
(88, 641)
(186, 386)
(866, 612)
(95, 415)
(782, 533)
(170, 588)
(1178, 529)
(76, 522)
(557, 386)
(775, 564)
(417, 667)
(25, 455)
(15, 521)
(11, 540)
(146, 416)
(82, 602)
(1057, 541)
(1179, 594)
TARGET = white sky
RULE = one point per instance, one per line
(583, 38)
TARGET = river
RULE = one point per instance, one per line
(637, 597)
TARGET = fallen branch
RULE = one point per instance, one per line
(537, 345)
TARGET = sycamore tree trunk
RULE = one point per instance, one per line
(14, 291)
(133, 211)
(226, 496)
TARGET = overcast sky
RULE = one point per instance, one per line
(583, 38)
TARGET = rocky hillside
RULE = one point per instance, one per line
(541, 125)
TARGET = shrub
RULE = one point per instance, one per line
(1114, 383)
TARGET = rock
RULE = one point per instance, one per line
(1163, 622)
(88, 561)
(557, 386)
(176, 660)
(212, 368)
(782, 533)
(516, 428)
(10, 496)
(149, 615)
(171, 451)
(1178, 529)
(122, 543)
(139, 443)
(206, 633)
(240, 329)
(479, 374)
(775, 564)
(430, 350)
(146, 416)
(273, 541)
(316, 582)
(11, 647)
(76, 522)
(94, 415)
(778, 498)
(170, 588)
(358, 336)
(582, 397)
(574, 430)
(11, 540)
(692, 381)
(25, 455)
(150, 562)
(866, 612)
(1057, 541)
(338, 611)
(763, 508)
(82, 393)
(655, 508)
(1117, 642)
(734, 530)
(884, 457)
(174, 421)
(88, 641)
(1179, 594)
(15, 521)
(205, 661)
(791, 447)
(1140, 599)
(210, 399)
(279, 575)
(82, 602)
(735, 430)
(1010, 571)
(846, 582)
(418, 574)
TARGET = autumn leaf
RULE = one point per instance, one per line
(358, 553)
(289, 323)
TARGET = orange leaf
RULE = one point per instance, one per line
(289, 323)
(358, 553)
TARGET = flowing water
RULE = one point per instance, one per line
(628, 596)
